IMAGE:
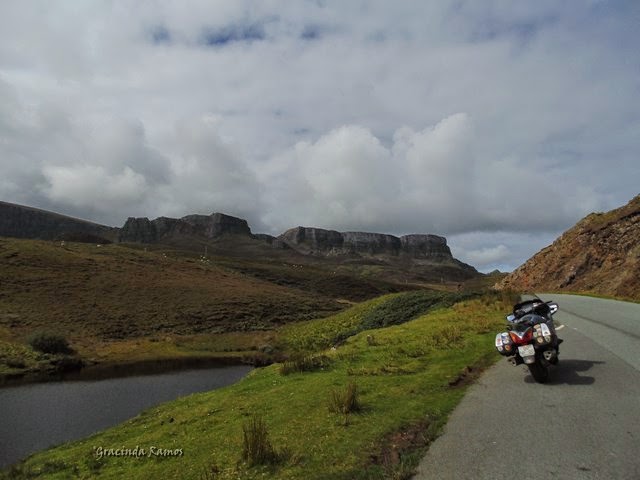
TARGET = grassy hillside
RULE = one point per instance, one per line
(365, 408)
(114, 303)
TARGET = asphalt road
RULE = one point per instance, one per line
(583, 424)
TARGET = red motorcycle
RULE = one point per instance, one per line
(531, 337)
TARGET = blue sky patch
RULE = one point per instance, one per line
(311, 32)
(160, 35)
(522, 31)
(218, 37)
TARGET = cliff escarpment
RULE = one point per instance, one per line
(317, 241)
(424, 256)
(143, 230)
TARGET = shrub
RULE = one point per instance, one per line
(344, 401)
(256, 446)
(49, 343)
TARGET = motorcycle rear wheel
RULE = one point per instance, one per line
(539, 372)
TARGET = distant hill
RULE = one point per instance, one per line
(26, 222)
(600, 254)
(420, 257)
(114, 292)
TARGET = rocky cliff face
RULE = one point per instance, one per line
(275, 242)
(232, 235)
(425, 246)
(143, 230)
(600, 254)
(26, 222)
(317, 241)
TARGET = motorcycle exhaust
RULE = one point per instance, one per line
(549, 355)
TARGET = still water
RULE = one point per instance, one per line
(36, 416)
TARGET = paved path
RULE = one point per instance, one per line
(583, 424)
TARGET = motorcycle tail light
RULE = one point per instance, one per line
(522, 340)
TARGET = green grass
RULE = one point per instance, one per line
(384, 311)
(409, 377)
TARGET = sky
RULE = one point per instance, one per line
(497, 124)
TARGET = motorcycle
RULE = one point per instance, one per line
(531, 337)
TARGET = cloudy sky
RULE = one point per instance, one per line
(498, 124)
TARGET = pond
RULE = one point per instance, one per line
(37, 416)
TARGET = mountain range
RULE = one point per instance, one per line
(223, 234)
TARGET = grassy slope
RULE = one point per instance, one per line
(128, 303)
(117, 292)
(122, 304)
(408, 374)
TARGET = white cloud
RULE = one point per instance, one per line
(92, 186)
(433, 180)
(488, 255)
(510, 119)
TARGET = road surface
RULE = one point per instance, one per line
(583, 424)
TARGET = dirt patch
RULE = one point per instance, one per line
(395, 444)
(467, 376)
(399, 453)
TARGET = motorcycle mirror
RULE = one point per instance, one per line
(511, 317)
(553, 307)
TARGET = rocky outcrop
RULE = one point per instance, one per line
(140, 230)
(600, 254)
(310, 241)
(217, 224)
(425, 246)
(274, 242)
(364, 243)
(317, 241)
(143, 230)
(27, 222)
